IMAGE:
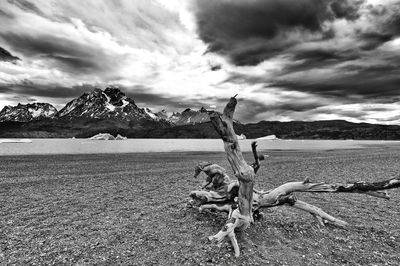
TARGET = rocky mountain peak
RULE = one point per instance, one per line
(189, 116)
(116, 96)
(162, 114)
(114, 91)
(108, 104)
(27, 112)
(203, 110)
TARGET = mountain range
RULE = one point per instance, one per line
(113, 112)
(110, 104)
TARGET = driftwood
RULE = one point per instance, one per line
(243, 203)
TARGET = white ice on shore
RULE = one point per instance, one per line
(269, 137)
(107, 136)
(103, 136)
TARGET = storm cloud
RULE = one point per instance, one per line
(287, 59)
(7, 56)
(342, 51)
(27, 88)
(26, 6)
(61, 53)
(249, 32)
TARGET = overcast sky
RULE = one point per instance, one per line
(287, 59)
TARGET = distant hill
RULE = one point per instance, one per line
(334, 129)
(329, 129)
(84, 128)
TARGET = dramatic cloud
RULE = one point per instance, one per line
(251, 31)
(63, 45)
(144, 97)
(287, 59)
(344, 52)
(49, 90)
(26, 6)
(7, 56)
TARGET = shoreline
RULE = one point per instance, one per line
(195, 153)
(84, 146)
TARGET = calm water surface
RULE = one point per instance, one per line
(85, 146)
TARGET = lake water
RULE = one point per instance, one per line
(85, 146)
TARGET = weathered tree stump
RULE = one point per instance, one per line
(243, 203)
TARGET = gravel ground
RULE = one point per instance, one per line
(130, 209)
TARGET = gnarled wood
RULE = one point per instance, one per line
(271, 197)
(283, 195)
(220, 195)
(318, 213)
(370, 188)
(242, 216)
(242, 201)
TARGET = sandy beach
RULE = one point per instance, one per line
(131, 209)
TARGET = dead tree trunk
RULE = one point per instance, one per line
(243, 202)
(241, 217)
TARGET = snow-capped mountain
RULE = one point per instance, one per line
(153, 116)
(27, 112)
(108, 104)
(189, 117)
(162, 114)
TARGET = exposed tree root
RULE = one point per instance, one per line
(321, 216)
